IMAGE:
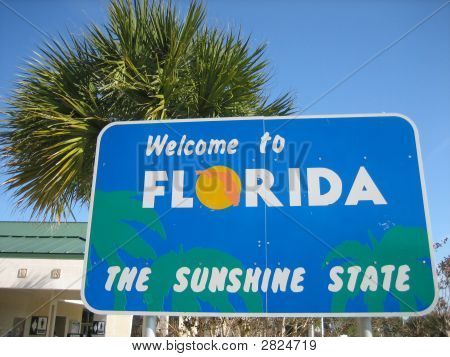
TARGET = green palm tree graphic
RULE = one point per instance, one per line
(111, 233)
(398, 246)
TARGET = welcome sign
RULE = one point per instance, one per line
(289, 216)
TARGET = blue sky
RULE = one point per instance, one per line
(312, 47)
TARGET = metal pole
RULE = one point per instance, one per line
(364, 327)
(311, 330)
(322, 328)
(149, 326)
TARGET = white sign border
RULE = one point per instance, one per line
(266, 314)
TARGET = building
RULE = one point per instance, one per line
(41, 268)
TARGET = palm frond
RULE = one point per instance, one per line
(146, 62)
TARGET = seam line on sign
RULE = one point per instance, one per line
(265, 222)
(368, 61)
(316, 237)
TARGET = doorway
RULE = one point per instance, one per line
(60, 326)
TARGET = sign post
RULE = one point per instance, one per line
(288, 216)
(149, 326)
(364, 327)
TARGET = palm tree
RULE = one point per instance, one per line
(144, 63)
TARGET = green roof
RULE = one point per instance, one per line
(46, 239)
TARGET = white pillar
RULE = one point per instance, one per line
(51, 318)
(364, 327)
(149, 326)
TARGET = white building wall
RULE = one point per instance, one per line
(38, 273)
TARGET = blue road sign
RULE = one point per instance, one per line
(287, 216)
